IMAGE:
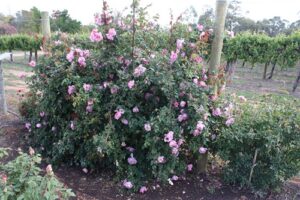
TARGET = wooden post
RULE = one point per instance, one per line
(296, 82)
(217, 45)
(3, 106)
(45, 25)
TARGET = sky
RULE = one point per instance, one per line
(85, 10)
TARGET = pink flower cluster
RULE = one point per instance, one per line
(82, 55)
(111, 34)
(71, 89)
(131, 160)
(179, 43)
(217, 112)
(96, 36)
(199, 128)
(130, 84)
(118, 113)
(89, 107)
(182, 117)
(147, 127)
(87, 87)
(173, 56)
(169, 138)
(202, 150)
(32, 63)
(127, 184)
(139, 71)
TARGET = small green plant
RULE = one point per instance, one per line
(21, 179)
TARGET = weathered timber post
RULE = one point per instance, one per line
(45, 25)
(297, 81)
(3, 106)
(214, 64)
(217, 45)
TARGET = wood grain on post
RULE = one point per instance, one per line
(217, 45)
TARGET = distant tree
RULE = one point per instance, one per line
(245, 24)
(28, 21)
(207, 18)
(233, 15)
(61, 21)
(273, 26)
(294, 26)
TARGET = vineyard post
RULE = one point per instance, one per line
(3, 105)
(217, 45)
(215, 60)
(45, 24)
(296, 82)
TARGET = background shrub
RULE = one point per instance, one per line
(272, 127)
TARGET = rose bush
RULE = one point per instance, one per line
(269, 129)
(126, 104)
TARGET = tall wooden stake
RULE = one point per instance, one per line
(3, 106)
(217, 45)
(45, 25)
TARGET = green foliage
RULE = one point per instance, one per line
(270, 126)
(61, 21)
(20, 42)
(82, 127)
(21, 179)
(257, 48)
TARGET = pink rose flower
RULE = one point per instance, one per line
(202, 84)
(119, 113)
(229, 121)
(200, 27)
(147, 127)
(42, 114)
(38, 125)
(173, 143)
(139, 71)
(196, 132)
(169, 136)
(143, 189)
(114, 90)
(32, 63)
(85, 170)
(179, 43)
(131, 160)
(176, 104)
(127, 184)
(130, 84)
(27, 125)
(87, 87)
(202, 150)
(124, 121)
(175, 178)
(70, 56)
(200, 125)
(217, 112)
(71, 89)
(96, 36)
(190, 167)
(111, 34)
(81, 61)
(182, 104)
(161, 159)
(175, 151)
(135, 109)
(173, 57)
